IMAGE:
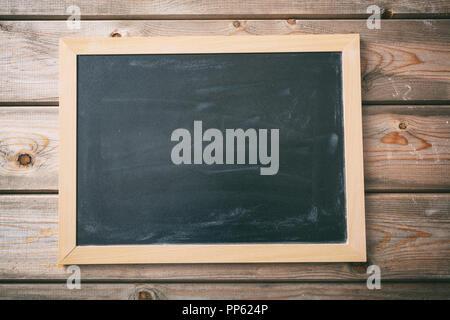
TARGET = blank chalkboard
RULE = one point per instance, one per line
(130, 192)
(211, 149)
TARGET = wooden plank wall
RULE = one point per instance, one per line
(406, 114)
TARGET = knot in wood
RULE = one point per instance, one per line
(387, 14)
(403, 125)
(360, 267)
(24, 159)
(144, 293)
(291, 21)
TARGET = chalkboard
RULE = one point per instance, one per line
(130, 192)
(210, 148)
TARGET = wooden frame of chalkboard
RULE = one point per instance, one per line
(353, 250)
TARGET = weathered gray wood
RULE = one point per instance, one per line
(220, 291)
(405, 60)
(407, 237)
(29, 148)
(414, 158)
(216, 8)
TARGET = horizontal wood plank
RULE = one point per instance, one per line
(29, 148)
(219, 9)
(225, 291)
(405, 60)
(414, 158)
(406, 148)
(407, 237)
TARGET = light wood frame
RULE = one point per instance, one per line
(354, 250)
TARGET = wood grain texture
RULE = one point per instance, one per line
(216, 8)
(225, 291)
(28, 148)
(405, 60)
(407, 237)
(406, 147)
(414, 158)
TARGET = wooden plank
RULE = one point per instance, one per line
(221, 291)
(414, 158)
(29, 148)
(406, 147)
(404, 61)
(407, 237)
(218, 9)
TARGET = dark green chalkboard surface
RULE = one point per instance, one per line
(129, 190)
